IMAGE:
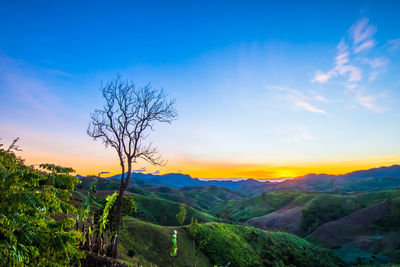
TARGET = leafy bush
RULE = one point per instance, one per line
(131, 252)
(35, 221)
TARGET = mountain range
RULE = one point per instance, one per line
(374, 179)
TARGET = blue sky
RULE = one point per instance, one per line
(263, 89)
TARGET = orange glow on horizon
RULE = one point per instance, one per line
(221, 170)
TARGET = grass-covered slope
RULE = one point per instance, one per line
(153, 243)
(244, 209)
(208, 197)
(368, 235)
(247, 246)
(311, 209)
(163, 212)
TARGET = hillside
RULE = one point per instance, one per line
(163, 212)
(239, 245)
(317, 216)
(152, 243)
(248, 246)
(203, 198)
(359, 233)
(376, 179)
(247, 208)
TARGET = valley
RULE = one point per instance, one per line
(345, 227)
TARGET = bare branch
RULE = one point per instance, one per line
(126, 119)
(14, 146)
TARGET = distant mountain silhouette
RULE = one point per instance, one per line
(184, 180)
(382, 178)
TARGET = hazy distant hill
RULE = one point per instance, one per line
(376, 179)
(183, 180)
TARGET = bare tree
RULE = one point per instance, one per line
(124, 123)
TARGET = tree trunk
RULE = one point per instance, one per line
(194, 254)
(115, 239)
(120, 200)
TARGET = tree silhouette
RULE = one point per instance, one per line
(124, 123)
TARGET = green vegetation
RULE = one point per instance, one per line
(391, 222)
(247, 246)
(110, 200)
(163, 212)
(324, 208)
(205, 198)
(35, 222)
(152, 243)
(244, 209)
(181, 216)
(174, 248)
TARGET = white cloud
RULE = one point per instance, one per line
(394, 45)
(368, 102)
(366, 45)
(322, 77)
(320, 98)
(342, 67)
(157, 172)
(299, 100)
(377, 66)
(362, 33)
(353, 67)
(307, 106)
(141, 170)
(376, 62)
(354, 73)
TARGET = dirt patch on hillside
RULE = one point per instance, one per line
(356, 231)
(286, 219)
(346, 229)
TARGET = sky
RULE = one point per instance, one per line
(263, 89)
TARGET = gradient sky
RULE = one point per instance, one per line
(264, 89)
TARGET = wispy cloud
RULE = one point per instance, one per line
(355, 67)
(307, 106)
(394, 45)
(320, 98)
(377, 66)
(368, 101)
(322, 77)
(342, 67)
(157, 172)
(141, 170)
(362, 34)
(299, 100)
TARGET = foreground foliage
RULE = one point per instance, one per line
(35, 215)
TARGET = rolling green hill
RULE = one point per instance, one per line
(320, 217)
(203, 198)
(163, 212)
(152, 243)
(247, 246)
(244, 209)
(239, 245)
